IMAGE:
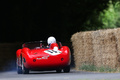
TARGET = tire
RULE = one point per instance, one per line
(24, 70)
(19, 70)
(66, 69)
(59, 70)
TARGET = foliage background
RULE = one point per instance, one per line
(29, 20)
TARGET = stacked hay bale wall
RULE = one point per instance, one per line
(101, 48)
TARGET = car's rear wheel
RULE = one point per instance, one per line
(66, 69)
(58, 70)
(24, 70)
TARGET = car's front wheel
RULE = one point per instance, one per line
(19, 70)
(24, 70)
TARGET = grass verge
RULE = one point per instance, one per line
(91, 67)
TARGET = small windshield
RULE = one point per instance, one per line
(38, 44)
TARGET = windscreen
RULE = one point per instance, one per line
(38, 44)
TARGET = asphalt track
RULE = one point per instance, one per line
(52, 75)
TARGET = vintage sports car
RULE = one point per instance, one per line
(39, 56)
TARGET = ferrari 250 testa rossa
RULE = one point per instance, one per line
(38, 55)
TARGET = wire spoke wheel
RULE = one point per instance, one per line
(24, 70)
(19, 69)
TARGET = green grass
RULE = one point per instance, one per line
(91, 67)
(106, 69)
(88, 67)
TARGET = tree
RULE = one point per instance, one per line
(110, 16)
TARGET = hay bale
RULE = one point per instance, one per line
(117, 33)
(88, 48)
(101, 48)
(109, 48)
(97, 47)
(82, 45)
(77, 40)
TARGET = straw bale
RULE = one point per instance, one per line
(109, 49)
(77, 40)
(117, 33)
(88, 47)
(101, 48)
(82, 45)
(97, 41)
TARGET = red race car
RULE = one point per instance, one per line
(40, 56)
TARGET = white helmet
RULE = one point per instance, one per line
(51, 40)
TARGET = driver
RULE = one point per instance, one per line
(51, 40)
(52, 43)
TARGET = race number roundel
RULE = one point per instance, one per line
(53, 52)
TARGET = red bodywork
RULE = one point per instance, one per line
(44, 58)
